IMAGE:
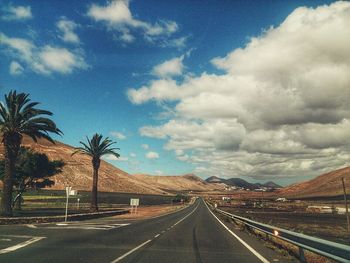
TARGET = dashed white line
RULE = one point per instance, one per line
(131, 251)
(20, 245)
(186, 216)
(239, 239)
(146, 242)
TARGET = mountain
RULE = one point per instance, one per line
(271, 184)
(78, 173)
(186, 182)
(238, 182)
(328, 184)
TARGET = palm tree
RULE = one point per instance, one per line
(96, 148)
(18, 117)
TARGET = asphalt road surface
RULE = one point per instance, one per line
(193, 234)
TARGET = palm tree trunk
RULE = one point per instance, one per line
(96, 166)
(12, 144)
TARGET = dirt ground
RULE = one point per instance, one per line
(144, 212)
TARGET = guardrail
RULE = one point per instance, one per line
(329, 249)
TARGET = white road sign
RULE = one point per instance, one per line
(134, 201)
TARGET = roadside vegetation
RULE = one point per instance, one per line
(19, 116)
(32, 171)
(96, 148)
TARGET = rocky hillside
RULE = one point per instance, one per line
(78, 173)
(328, 184)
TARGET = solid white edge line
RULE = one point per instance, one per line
(239, 239)
(131, 251)
(149, 240)
(20, 245)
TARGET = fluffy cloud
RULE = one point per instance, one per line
(118, 135)
(43, 60)
(17, 13)
(279, 109)
(117, 16)
(152, 155)
(15, 68)
(169, 68)
(67, 28)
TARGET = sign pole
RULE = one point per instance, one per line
(346, 204)
(68, 188)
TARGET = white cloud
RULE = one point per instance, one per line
(280, 108)
(133, 155)
(16, 68)
(152, 155)
(111, 157)
(17, 13)
(169, 68)
(67, 28)
(118, 135)
(145, 146)
(117, 16)
(46, 59)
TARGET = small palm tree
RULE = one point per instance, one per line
(18, 116)
(96, 148)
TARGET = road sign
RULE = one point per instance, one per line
(73, 192)
(69, 192)
(134, 201)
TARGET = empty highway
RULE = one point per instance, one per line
(193, 234)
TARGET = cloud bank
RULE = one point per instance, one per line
(279, 109)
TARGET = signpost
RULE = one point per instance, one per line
(69, 192)
(134, 202)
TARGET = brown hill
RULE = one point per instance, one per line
(186, 182)
(328, 184)
(78, 173)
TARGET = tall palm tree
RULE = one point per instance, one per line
(96, 148)
(18, 116)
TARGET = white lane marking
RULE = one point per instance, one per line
(131, 251)
(156, 235)
(20, 245)
(31, 226)
(149, 240)
(186, 216)
(84, 226)
(239, 239)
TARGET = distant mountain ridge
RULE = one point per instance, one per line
(239, 182)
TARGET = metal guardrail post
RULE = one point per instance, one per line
(302, 255)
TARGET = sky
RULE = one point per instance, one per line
(251, 89)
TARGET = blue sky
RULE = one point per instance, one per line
(135, 71)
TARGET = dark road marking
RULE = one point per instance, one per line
(239, 239)
(195, 246)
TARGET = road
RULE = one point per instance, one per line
(189, 235)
